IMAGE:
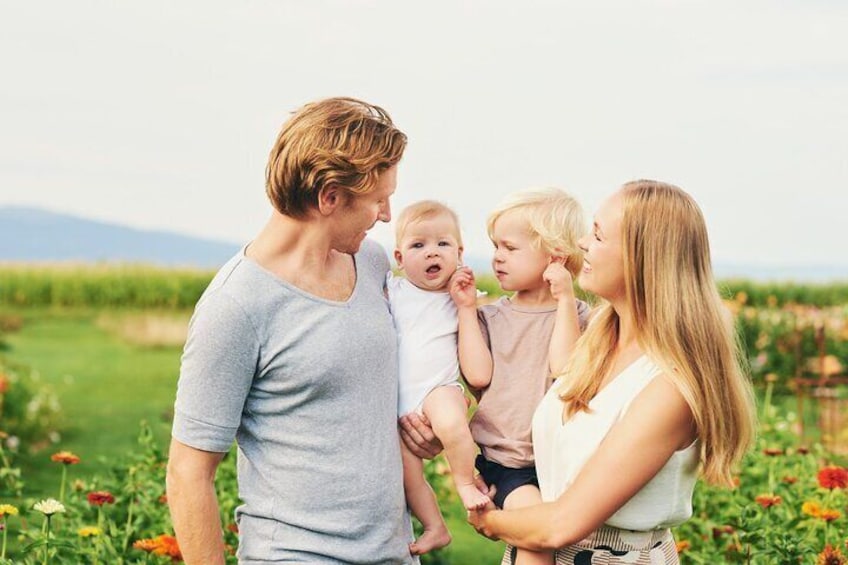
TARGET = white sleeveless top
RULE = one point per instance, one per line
(562, 451)
(426, 324)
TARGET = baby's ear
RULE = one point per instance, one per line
(399, 258)
(459, 254)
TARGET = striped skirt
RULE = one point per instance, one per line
(612, 546)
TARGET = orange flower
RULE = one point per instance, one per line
(65, 457)
(768, 500)
(830, 556)
(100, 497)
(773, 451)
(833, 477)
(811, 509)
(683, 545)
(802, 450)
(161, 545)
(829, 514)
(233, 528)
(4, 383)
(163, 499)
(790, 480)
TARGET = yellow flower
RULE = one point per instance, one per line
(811, 509)
(8, 510)
(89, 531)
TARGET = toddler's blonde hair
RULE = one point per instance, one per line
(554, 219)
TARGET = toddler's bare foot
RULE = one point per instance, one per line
(472, 498)
(430, 540)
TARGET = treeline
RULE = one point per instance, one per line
(151, 287)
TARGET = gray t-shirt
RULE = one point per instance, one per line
(308, 389)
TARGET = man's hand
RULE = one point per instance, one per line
(463, 289)
(559, 278)
(417, 434)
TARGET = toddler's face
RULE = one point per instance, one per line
(429, 252)
(518, 265)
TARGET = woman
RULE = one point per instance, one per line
(653, 393)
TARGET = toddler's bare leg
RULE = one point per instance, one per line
(446, 409)
(422, 501)
(528, 495)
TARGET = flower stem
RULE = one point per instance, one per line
(47, 539)
(5, 529)
(127, 529)
(62, 484)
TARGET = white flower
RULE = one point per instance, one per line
(49, 506)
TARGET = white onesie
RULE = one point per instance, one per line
(426, 324)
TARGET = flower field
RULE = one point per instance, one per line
(789, 504)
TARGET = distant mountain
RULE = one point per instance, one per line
(31, 234)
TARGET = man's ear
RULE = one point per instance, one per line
(399, 258)
(330, 198)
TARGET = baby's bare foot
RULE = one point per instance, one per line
(472, 498)
(430, 540)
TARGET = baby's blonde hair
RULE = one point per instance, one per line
(423, 210)
(554, 219)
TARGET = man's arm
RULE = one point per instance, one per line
(194, 509)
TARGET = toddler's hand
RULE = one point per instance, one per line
(462, 288)
(559, 278)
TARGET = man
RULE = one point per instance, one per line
(292, 353)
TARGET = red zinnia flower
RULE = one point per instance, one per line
(100, 497)
(833, 477)
(65, 457)
(802, 450)
(768, 500)
(718, 532)
(830, 556)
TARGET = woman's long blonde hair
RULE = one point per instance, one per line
(681, 322)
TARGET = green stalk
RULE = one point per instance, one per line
(5, 531)
(127, 529)
(62, 485)
(47, 539)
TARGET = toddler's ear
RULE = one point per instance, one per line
(399, 258)
(459, 254)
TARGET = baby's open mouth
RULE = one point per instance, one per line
(432, 270)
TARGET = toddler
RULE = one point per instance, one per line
(509, 351)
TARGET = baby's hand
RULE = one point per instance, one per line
(462, 288)
(559, 278)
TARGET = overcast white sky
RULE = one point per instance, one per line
(160, 114)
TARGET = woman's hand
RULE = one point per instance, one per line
(463, 289)
(477, 518)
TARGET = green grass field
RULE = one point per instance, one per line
(107, 386)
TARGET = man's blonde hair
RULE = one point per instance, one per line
(681, 323)
(424, 210)
(554, 220)
(340, 141)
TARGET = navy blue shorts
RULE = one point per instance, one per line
(505, 479)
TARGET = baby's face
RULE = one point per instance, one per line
(429, 252)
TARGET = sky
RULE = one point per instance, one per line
(161, 114)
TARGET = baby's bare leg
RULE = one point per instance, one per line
(528, 495)
(446, 409)
(422, 501)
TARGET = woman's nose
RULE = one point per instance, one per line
(581, 243)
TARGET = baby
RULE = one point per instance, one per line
(429, 250)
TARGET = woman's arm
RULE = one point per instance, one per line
(658, 423)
